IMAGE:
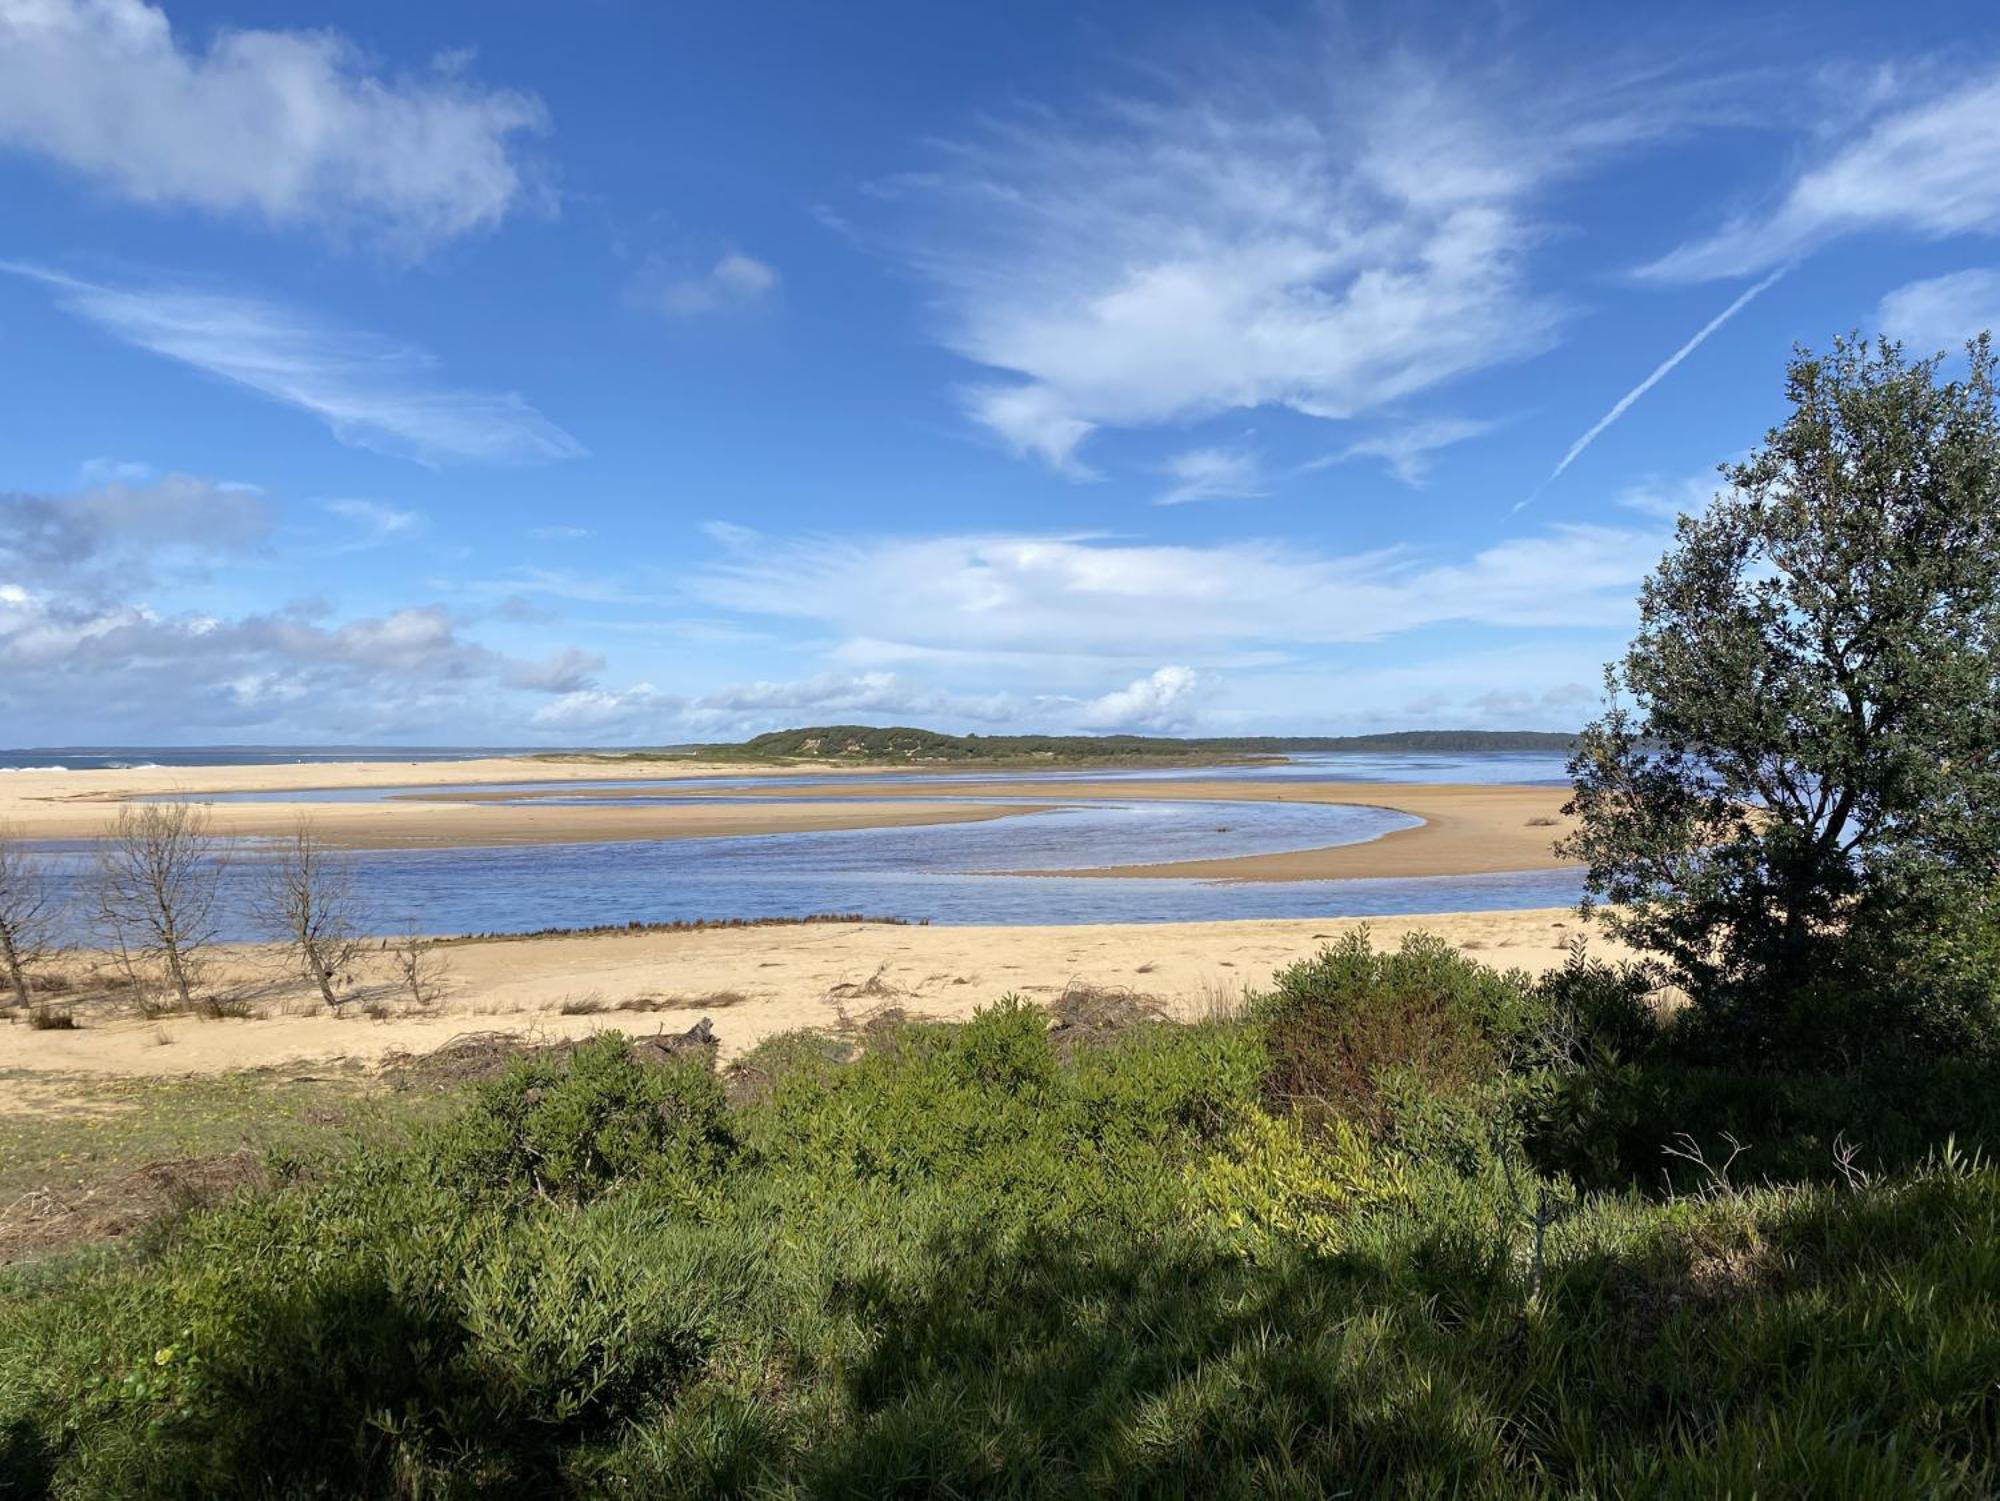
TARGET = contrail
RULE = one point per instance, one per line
(1660, 373)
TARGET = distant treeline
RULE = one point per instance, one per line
(859, 742)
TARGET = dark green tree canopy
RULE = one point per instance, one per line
(1802, 739)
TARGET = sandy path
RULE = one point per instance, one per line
(757, 981)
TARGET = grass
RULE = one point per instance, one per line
(76, 1132)
(1287, 1252)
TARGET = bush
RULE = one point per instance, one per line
(975, 1262)
(1267, 1186)
(987, 1113)
(1337, 1022)
(571, 1128)
(1596, 1013)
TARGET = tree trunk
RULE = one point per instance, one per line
(324, 980)
(178, 973)
(17, 974)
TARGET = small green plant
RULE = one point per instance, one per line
(571, 1128)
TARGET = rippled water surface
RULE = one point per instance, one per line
(945, 873)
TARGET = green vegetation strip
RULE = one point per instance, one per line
(1405, 1228)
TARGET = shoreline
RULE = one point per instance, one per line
(751, 981)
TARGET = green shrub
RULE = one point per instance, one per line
(969, 1263)
(988, 1113)
(571, 1128)
(1595, 1012)
(1337, 1022)
(1606, 1126)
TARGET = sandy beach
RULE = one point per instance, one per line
(751, 981)
(1466, 830)
(754, 981)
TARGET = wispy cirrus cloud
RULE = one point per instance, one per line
(1942, 312)
(370, 391)
(1212, 474)
(1020, 598)
(735, 283)
(1406, 451)
(375, 523)
(1333, 236)
(1926, 161)
(289, 126)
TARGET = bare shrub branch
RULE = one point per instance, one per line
(421, 969)
(158, 878)
(27, 912)
(307, 900)
(1687, 1149)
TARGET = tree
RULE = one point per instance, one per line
(1801, 762)
(27, 911)
(158, 879)
(307, 900)
(420, 968)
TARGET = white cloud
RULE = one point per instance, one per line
(1944, 311)
(591, 710)
(134, 528)
(1669, 500)
(1930, 167)
(375, 523)
(734, 283)
(373, 393)
(560, 533)
(104, 470)
(1406, 451)
(1332, 243)
(1015, 598)
(1212, 474)
(642, 711)
(94, 642)
(874, 693)
(1158, 702)
(294, 127)
(566, 671)
(1552, 685)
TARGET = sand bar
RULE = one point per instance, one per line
(1467, 830)
(752, 982)
(82, 804)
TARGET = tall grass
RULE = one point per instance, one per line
(1285, 1254)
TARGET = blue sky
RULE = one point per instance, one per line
(616, 373)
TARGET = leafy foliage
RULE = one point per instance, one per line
(1810, 765)
(572, 1129)
(1339, 1022)
(967, 1262)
